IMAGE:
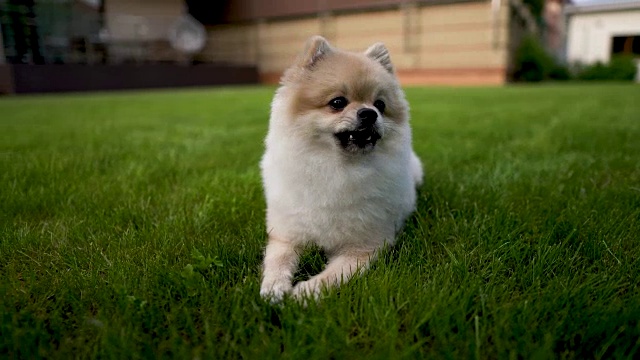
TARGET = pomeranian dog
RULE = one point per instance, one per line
(339, 170)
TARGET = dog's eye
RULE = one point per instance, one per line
(339, 103)
(379, 104)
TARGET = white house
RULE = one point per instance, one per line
(598, 30)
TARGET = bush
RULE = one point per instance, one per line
(536, 7)
(560, 72)
(532, 63)
(619, 68)
(597, 71)
(623, 67)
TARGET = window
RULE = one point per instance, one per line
(626, 45)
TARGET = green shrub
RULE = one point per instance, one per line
(622, 68)
(536, 7)
(532, 63)
(560, 72)
(597, 71)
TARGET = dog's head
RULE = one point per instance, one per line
(351, 101)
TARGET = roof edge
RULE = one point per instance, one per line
(592, 8)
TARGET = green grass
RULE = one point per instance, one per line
(132, 226)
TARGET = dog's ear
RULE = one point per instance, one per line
(380, 53)
(316, 48)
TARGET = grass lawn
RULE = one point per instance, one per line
(132, 226)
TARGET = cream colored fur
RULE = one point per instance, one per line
(350, 204)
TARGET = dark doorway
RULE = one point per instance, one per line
(208, 12)
(625, 45)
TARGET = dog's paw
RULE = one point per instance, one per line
(274, 293)
(309, 289)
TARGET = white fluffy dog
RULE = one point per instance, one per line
(339, 170)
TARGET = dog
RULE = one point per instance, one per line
(339, 170)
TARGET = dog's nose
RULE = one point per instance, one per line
(367, 116)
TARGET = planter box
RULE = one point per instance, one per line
(67, 78)
(6, 80)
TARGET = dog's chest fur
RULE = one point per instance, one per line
(330, 200)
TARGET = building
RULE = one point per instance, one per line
(90, 45)
(598, 31)
(452, 42)
(432, 42)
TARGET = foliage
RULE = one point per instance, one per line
(536, 7)
(132, 226)
(619, 68)
(559, 72)
(532, 63)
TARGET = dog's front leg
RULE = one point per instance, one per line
(340, 268)
(280, 261)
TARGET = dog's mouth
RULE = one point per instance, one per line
(361, 139)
